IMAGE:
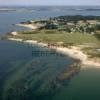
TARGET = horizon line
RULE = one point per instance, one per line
(49, 5)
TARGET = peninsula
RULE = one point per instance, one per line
(75, 36)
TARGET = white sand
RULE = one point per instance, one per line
(73, 52)
(14, 39)
(31, 26)
(76, 53)
(14, 33)
(31, 41)
(37, 43)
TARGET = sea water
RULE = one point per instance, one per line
(18, 64)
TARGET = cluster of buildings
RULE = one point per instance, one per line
(68, 24)
(88, 26)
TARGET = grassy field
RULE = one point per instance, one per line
(53, 36)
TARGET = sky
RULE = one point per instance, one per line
(49, 2)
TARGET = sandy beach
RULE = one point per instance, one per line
(13, 39)
(76, 53)
(73, 52)
(31, 26)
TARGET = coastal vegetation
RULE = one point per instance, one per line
(70, 24)
(54, 36)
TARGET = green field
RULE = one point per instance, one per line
(53, 36)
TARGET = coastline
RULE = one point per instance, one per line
(30, 26)
(74, 52)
